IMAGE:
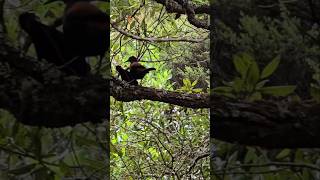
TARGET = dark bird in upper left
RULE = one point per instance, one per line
(50, 45)
(86, 28)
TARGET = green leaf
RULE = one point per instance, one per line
(153, 152)
(238, 84)
(227, 83)
(94, 163)
(64, 168)
(283, 154)
(255, 96)
(49, 168)
(187, 82)
(306, 174)
(82, 141)
(299, 156)
(194, 83)
(278, 90)
(132, 25)
(315, 93)
(222, 89)
(250, 156)
(197, 90)
(261, 84)
(242, 62)
(253, 74)
(271, 67)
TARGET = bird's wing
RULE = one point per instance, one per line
(137, 66)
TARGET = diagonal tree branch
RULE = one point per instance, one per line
(133, 36)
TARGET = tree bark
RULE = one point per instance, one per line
(267, 124)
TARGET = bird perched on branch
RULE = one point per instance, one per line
(126, 75)
(137, 70)
(86, 28)
(50, 45)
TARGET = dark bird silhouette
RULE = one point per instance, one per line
(86, 28)
(126, 75)
(137, 70)
(50, 45)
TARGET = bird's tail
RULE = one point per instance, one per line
(123, 73)
(150, 69)
(28, 22)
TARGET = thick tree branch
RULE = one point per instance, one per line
(123, 92)
(174, 7)
(62, 101)
(189, 9)
(264, 123)
(49, 98)
(267, 124)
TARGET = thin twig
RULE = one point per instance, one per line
(133, 36)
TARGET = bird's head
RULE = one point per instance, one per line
(132, 59)
(119, 68)
(25, 19)
(27, 15)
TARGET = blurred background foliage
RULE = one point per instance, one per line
(149, 139)
(267, 29)
(253, 36)
(154, 140)
(40, 153)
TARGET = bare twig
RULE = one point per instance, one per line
(194, 162)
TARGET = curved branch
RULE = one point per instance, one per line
(173, 7)
(189, 9)
(194, 163)
(155, 39)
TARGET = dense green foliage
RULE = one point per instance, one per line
(266, 32)
(151, 140)
(265, 49)
(41, 153)
(148, 139)
(250, 85)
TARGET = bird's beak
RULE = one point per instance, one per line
(50, 1)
